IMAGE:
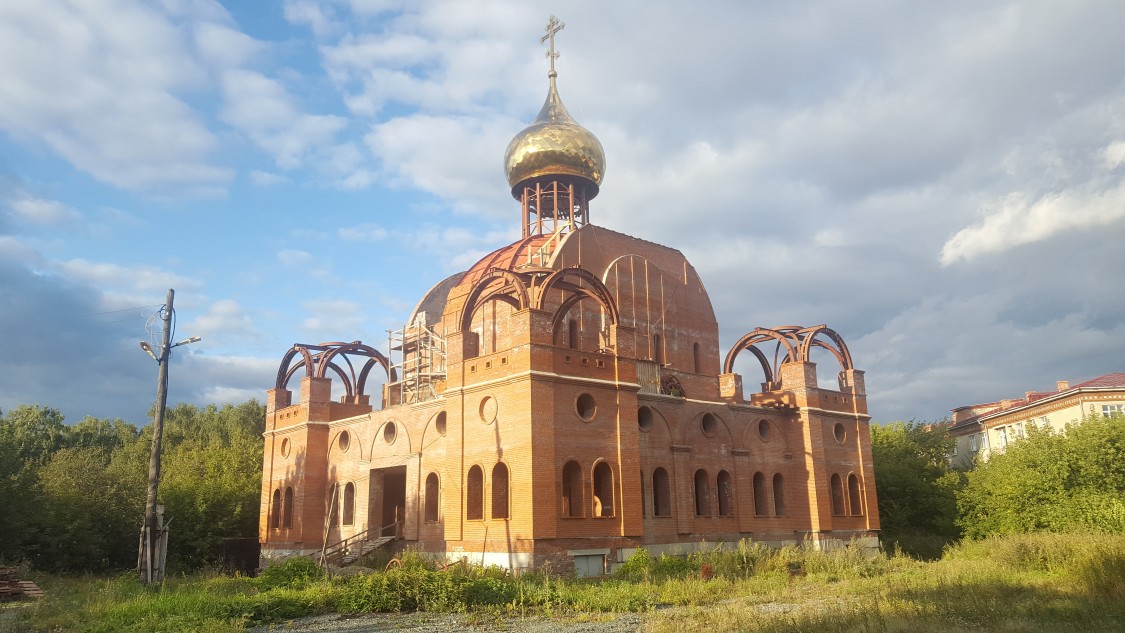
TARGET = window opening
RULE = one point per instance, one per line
(702, 494)
(726, 494)
(474, 501)
(778, 495)
(837, 496)
(432, 491)
(603, 490)
(500, 491)
(572, 490)
(661, 494)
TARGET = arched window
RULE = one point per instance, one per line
(778, 495)
(334, 505)
(702, 489)
(432, 491)
(696, 359)
(275, 511)
(761, 501)
(572, 334)
(603, 490)
(658, 349)
(349, 503)
(644, 495)
(474, 494)
(287, 509)
(726, 494)
(572, 490)
(837, 496)
(500, 491)
(854, 496)
(661, 494)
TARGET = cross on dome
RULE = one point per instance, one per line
(554, 25)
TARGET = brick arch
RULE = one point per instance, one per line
(724, 427)
(662, 429)
(512, 290)
(355, 444)
(777, 445)
(430, 434)
(403, 445)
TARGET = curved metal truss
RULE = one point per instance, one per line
(318, 360)
(791, 344)
(530, 288)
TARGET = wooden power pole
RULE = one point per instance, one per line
(151, 556)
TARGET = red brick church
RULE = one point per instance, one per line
(565, 400)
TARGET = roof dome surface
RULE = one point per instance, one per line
(554, 145)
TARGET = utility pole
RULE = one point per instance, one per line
(151, 559)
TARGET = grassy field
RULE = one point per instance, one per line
(1044, 582)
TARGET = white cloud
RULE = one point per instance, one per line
(1017, 220)
(363, 233)
(1115, 154)
(261, 109)
(333, 319)
(416, 151)
(43, 211)
(266, 179)
(311, 14)
(144, 280)
(294, 257)
(97, 84)
(225, 323)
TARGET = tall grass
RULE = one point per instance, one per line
(1040, 582)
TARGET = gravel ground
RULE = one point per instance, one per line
(335, 623)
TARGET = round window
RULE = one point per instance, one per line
(345, 440)
(840, 433)
(439, 423)
(764, 430)
(390, 432)
(285, 447)
(644, 419)
(488, 409)
(586, 407)
(709, 424)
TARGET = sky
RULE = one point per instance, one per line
(941, 183)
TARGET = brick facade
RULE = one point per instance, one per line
(525, 388)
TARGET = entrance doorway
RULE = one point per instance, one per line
(387, 506)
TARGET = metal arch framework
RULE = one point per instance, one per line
(512, 290)
(595, 290)
(530, 289)
(318, 360)
(797, 343)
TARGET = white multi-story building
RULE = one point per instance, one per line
(983, 429)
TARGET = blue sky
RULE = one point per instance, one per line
(940, 184)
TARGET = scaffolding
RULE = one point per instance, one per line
(417, 360)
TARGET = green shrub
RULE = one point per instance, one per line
(295, 572)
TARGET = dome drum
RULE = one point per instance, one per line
(549, 205)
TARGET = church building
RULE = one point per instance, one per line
(565, 401)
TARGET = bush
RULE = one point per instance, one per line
(295, 573)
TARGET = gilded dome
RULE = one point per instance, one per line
(554, 145)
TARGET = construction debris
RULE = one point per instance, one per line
(12, 588)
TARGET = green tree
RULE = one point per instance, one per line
(916, 487)
(34, 431)
(90, 518)
(212, 478)
(1054, 481)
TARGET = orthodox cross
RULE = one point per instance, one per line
(553, 26)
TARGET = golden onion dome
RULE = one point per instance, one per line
(554, 145)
